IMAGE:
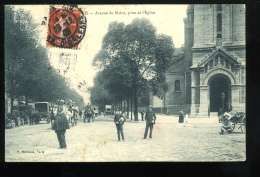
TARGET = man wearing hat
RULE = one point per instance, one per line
(119, 121)
(60, 125)
(150, 120)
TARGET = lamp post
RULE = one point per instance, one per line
(223, 97)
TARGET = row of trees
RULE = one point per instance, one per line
(133, 61)
(28, 72)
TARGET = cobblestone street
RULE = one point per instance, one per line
(197, 140)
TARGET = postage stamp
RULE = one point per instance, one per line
(67, 27)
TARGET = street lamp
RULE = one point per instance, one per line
(223, 97)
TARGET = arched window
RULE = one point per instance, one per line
(177, 85)
(219, 23)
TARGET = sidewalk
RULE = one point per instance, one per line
(175, 119)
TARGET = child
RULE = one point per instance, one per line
(226, 123)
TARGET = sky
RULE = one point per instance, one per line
(168, 19)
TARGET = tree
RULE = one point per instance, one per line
(28, 71)
(99, 96)
(20, 41)
(138, 46)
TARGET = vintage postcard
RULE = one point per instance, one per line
(125, 83)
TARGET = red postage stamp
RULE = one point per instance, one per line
(67, 27)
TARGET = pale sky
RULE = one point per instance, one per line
(168, 19)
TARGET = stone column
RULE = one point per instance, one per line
(235, 97)
(203, 109)
(193, 111)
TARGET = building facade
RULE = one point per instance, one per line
(209, 71)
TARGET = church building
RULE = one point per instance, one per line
(208, 72)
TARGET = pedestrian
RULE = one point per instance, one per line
(60, 125)
(142, 113)
(52, 117)
(150, 120)
(181, 116)
(119, 121)
(220, 113)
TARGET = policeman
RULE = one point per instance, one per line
(60, 125)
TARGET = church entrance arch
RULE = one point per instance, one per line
(218, 84)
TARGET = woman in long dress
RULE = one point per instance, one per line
(181, 116)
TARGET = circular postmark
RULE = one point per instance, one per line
(67, 27)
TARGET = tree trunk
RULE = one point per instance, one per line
(12, 104)
(135, 103)
(121, 106)
(131, 107)
(26, 100)
(127, 107)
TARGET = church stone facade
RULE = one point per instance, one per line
(208, 73)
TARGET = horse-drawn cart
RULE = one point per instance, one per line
(239, 119)
(42, 109)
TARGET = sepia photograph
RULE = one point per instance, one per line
(125, 83)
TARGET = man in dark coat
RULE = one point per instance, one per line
(60, 125)
(150, 120)
(142, 113)
(119, 121)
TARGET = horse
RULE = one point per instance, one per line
(89, 113)
(35, 117)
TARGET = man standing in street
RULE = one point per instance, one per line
(119, 121)
(142, 113)
(150, 120)
(60, 125)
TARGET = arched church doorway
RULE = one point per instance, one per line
(219, 84)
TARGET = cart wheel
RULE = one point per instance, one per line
(233, 126)
(12, 123)
(243, 125)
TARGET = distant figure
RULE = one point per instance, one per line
(119, 121)
(186, 118)
(220, 113)
(52, 117)
(142, 113)
(181, 116)
(60, 125)
(150, 120)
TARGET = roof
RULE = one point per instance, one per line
(177, 51)
(223, 52)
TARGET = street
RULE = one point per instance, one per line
(197, 140)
